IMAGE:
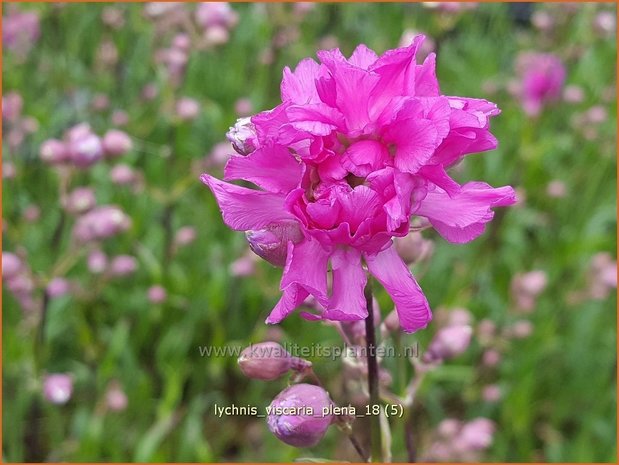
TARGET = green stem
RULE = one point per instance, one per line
(370, 341)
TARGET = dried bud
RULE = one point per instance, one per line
(243, 136)
(449, 342)
(300, 415)
(268, 361)
(57, 388)
(272, 244)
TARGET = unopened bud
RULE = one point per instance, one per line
(449, 342)
(11, 265)
(272, 244)
(116, 143)
(57, 388)
(268, 361)
(243, 136)
(53, 152)
(300, 415)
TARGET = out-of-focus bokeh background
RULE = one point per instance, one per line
(109, 291)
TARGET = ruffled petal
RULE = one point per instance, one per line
(306, 266)
(460, 218)
(363, 57)
(410, 302)
(272, 167)
(292, 297)
(244, 209)
(347, 300)
(300, 86)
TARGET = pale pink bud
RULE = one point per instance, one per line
(243, 136)
(210, 14)
(53, 151)
(185, 235)
(187, 108)
(116, 143)
(115, 398)
(157, 294)
(269, 360)
(521, 329)
(459, 317)
(100, 102)
(113, 17)
(221, 153)
(556, 189)
(542, 20)
(58, 287)
(477, 434)
(101, 223)
(448, 427)
(272, 244)
(243, 266)
(80, 200)
(12, 104)
(122, 175)
(597, 114)
(392, 321)
(573, 94)
(300, 415)
(8, 170)
(491, 393)
(57, 388)
(491, 358)
(11, 265)
(85, 151)
(448, 342)
(216, 35)
(413, 248)
(243, 107)
(32, 213)
(97, 262)
(120, 118)
(123, 265)
(605, 22)
(182, 42)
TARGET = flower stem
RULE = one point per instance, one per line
(370, 341)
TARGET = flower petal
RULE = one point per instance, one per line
(271, 167)
(300, 86)
(244, 209)
(410, 302)
(306, 266)
(292, 297)
(348, 300)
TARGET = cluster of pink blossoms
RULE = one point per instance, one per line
(357, 147)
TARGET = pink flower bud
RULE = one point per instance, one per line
(100, 102)
(182, 42)
(57, 388)
(58, 287)
(116, 143)
(243, 136)
(123, 265)
(53, 152)
(300, 415)
(413, 248)
(459, 317)
(573, 94)
(80, 200)
(491, 393)
(187, 109)
(556, 189)
(101, 223)
(243, 107)
(605, 22)
(210, 14)
(157, 294)
(448, 427)
(97, 262)
(597, 114)
(477, 434)
(150, 92)
(392, 321)
(32, 213)
(521, 329)
(115, 398)
(448, 342)
(12, 104)
(11, 265)
(268, 361)
(85, 151)
(122, 175)
(120, 118)
(185, 235)
(216, 35)
(8, 170)
(272, 244)
(491, 358)
(220, 153)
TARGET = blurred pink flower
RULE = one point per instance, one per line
(122, 174)
(212, 14)
(491, 358)
(526, 287)
(491, 393)
(573, 94)
(80, 200)
(84, 147)
(602, 275)
(478, 433)
(185, 235)
(54, 152)
(57, 388)
(187, 108)
(20, 30)
(12, 105)
(115, 398)
(58, 287)
(448, 342)
(11, 265)
(157, 294)
(116, 142)
(357, 147)
(541, 80)
(100, 223)
(243, 107)
(97, 262)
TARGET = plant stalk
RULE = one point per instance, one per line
(370, 342)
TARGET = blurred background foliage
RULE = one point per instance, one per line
(558, 385)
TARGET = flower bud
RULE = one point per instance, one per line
(491, 393)
(491, 358)
(187, 109)
(448, 342)
(268, 361)
(53, 152)
(11, 265)
(57, 287)
(86, 150)
(12, 104)
(413, 248)
(243, 136)
(300, 415)
(211, 14)
(116, 143)
(272, 244)
(120, 118)
(80, 200)
(115, 398)
(156, 294)
(57, 388)
(97, 262)
(477, 434)
(185, 235)
(101, 223)
(123, 265)
(122, 175)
